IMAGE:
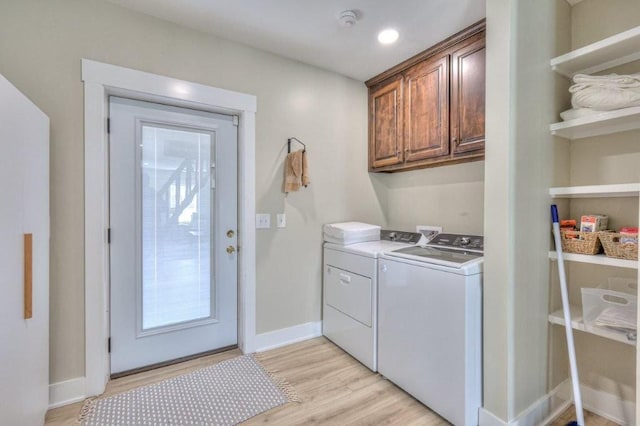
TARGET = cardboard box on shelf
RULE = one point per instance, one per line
(594, 223)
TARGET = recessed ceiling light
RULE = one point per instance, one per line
(387, 36)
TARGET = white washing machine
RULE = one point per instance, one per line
(430, 324)
(350, 302)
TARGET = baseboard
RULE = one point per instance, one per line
(532, 416)
(604, 404)
(286, 336)
(67, 392)
(487, 418)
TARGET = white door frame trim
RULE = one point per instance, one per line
(100, 81)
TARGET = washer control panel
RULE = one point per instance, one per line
(458, 241)
(400, 236)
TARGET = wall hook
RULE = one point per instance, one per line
(297, 140)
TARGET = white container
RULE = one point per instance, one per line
(350, 232)
(609, 309)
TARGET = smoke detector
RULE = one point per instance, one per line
(348, 18)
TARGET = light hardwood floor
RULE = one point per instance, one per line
(335, 389)
(590, 419)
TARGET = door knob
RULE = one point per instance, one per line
(230, 233)
(231, 249)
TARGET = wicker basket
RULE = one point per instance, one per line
(614, 248)
(580, 242)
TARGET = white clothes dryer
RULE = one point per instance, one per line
(430, 324)
(350, 300)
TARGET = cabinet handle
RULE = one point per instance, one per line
(28, 276)
(344, 278)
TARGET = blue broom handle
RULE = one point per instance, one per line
(575, 380)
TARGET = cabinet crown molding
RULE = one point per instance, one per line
(445, 44)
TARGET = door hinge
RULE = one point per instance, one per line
(108, 125)
(236, 120)
(109, 344)
(108, 235)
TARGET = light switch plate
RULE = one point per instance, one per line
(281, 220)
(263, 221)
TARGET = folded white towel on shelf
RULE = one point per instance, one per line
(604, 98)
(573, 113)
(629, 80)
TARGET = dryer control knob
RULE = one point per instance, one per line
(465, 241)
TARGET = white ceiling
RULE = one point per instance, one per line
(308, 30)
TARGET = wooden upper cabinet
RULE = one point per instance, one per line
(385, 124)
(429, 110)
(426, 110)
(467, 97)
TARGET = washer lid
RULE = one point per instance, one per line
(443, 256)
(369, 249)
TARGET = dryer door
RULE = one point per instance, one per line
(349, 293)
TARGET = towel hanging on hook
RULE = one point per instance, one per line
(297, 140)
(296, 168)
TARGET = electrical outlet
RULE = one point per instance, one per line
(263, 221)
(281, 220)
(428, 231)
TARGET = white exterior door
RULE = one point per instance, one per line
(24, 209)
(173, 232)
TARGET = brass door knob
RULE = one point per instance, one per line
(230, 233)
(231, 249)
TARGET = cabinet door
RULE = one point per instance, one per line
(467, 97)
(426, 113)
(385, 124)
(24, 209)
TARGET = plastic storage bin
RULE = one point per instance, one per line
(613, 310)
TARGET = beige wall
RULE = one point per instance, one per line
(593, 20)
(451, 197)
(42, 45)
(496, 295)
(610, 159)
(535, 107)
(522, 92)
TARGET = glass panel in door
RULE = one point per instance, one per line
(173, 289)
(177, 233)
